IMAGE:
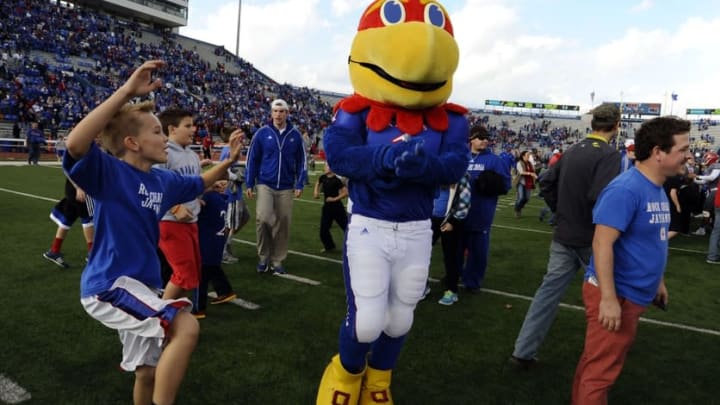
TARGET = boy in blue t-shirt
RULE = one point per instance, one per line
(121, 282)
(630, 245)
(211, 226)
(237, 214)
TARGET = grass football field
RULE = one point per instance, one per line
(53, 351)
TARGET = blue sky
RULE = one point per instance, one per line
(550, 51)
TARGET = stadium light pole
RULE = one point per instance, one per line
(237, 38)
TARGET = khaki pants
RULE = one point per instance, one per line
(273, 213)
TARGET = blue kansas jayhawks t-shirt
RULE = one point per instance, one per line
(640, 210)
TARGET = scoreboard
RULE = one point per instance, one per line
(526, 104)
(638, 108)
(702, 111)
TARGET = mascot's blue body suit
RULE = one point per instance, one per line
(396, 140)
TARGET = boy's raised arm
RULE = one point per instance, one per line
(218, 171)
(85, 132)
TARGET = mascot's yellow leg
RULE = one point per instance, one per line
(338, 386)
(376, 387)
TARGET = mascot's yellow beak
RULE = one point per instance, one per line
(410, 64)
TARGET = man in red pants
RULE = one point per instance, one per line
(630, 244)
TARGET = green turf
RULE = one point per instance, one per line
(275, 355)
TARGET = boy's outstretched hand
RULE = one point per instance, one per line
(218, 171)
(235, 142)
(141, 82)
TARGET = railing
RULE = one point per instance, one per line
(15, 148)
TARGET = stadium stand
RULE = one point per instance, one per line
(59, 62)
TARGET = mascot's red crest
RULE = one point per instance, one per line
(383, 13)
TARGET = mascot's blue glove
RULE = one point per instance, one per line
(393, 152)
(412, 163)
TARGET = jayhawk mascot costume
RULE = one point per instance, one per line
(396, 139)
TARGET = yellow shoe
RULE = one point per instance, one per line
(339, 387)
(376, 387)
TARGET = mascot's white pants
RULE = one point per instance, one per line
(387, 268)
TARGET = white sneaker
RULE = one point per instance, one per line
(699, 232)
(426, 292)
(229, 259)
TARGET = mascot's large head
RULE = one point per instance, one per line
(404, 54)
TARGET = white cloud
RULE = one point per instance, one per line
(344, 7)
(649, 64)
(644, 5)
(694, 33)
(498, 56)
(539, 42)
(218, 27)
(306, 43)
(503, 60)
(273, 37)
(632, 50)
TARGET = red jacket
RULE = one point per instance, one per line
(528, 180)
(554, 159)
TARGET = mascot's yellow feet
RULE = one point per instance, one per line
(376, 387)
(338, 386)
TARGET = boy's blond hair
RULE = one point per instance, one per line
(124, 123)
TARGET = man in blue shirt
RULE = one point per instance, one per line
(630, 246)
(276, 168)
(35, 139)
(487, 169)
(508, 157)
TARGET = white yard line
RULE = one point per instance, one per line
(37, 197)
(302, 200)
(642, 319)
(51, 164)
(11, 392)
(298, 279)
(295, 252)
(489, 291)
(515, 228)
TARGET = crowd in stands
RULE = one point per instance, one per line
(704, 124)
(535, 133)
(59, 62)
(707, 138)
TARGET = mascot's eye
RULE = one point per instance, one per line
(434, 15)
(392, 12)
